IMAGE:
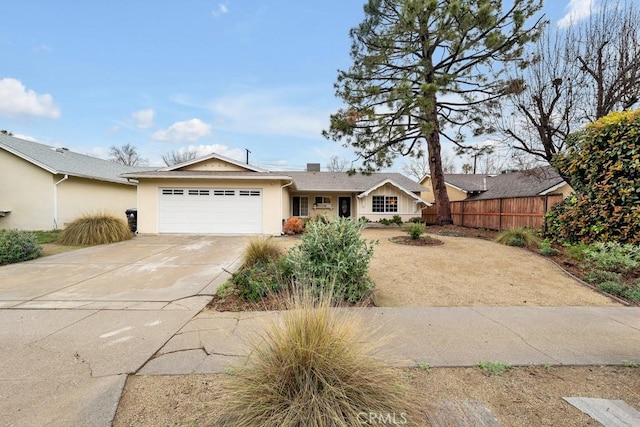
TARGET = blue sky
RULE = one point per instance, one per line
(162, 76)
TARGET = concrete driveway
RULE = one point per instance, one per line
(75, 324)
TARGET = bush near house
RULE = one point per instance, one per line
(95, 229)
(293, 225)
(603, 163)
(18, 246)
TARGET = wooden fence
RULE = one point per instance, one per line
(498, 214)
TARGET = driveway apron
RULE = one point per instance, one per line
(75, 324)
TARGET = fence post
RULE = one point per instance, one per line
(462, 213)
(500, 216)
(545, 205)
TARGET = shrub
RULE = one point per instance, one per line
(364, 219)
(95, 230)
(261, 249)
(415, 230)
(255, 282)
(416, 220)
(384, 221)
(614, 288)
(576, 251)
(602, 163)
(314, 368)
(633, 293)
(597, 277)
(293, 225)
(613, 256)
(396, 219)
(334, 256)
(18, 246)
(518, 237)
(546, 249)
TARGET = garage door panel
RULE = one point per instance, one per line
(219, 211)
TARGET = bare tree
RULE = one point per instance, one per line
(474, 152)
(337, 164)
(418, 167)
(575, 75)
(126, 155)
(179, 156)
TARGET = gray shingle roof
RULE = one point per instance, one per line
(520, 184)
(468, 182)
(341, 181)
(63, 161)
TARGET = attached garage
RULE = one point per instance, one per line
(210, 210)
(210, 195)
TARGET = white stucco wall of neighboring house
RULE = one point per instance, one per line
(149, 193)
(80, 196)
(407, 208)
(26, 190)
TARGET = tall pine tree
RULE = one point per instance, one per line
(422, 68)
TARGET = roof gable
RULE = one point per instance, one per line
(215, 163)
(399, 187)
(65, 162)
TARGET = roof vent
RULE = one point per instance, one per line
(313, 167)
(61, 150)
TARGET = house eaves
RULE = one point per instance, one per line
(161, 174)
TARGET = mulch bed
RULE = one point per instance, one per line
(422, 241)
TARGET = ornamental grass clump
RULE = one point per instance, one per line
(18, 246)
(95, 229)
(261, 250)
(518, 237)
(314, 368)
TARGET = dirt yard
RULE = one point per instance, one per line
(463, 271)
(468, 271)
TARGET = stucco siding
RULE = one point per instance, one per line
(149, 192)
(315, 210)
(27, 191)
(79, 196)
(453, 193)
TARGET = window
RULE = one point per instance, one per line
(384, 204)
(198, 192)
(250, 192)
(168, 192)
(224, 192)
(300, 206)
(322, 200)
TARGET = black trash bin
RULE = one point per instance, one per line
(132, 219)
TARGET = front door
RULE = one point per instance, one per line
(344, 206)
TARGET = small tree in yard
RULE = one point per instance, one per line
(420, 66)
(603, 162)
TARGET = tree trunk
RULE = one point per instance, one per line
(443, 207)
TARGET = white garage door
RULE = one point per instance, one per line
(210, 210)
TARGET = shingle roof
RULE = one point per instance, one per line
(63, 161)
(342, 181)
(520, 184)
(468, 182)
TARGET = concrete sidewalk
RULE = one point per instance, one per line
(440, 336)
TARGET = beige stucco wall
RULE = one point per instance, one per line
(27, 191)
(79, 196)
(315, 211)
(213, 165)
(566, 190)
(453, 193)
(148, 195)
(407, 209)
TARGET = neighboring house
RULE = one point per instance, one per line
(535, 182)
(215, 194)
(44, 187)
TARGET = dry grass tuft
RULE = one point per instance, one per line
(95, 229)
(518, 237)
(261, 250)
(314, 369)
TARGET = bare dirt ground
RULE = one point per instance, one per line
(463, 271)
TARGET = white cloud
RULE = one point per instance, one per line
(187, 131)
(578, 9)
(269, 112)
(16, 100)
(220, 10)
(223, 150)
(143, 118)
(25, 137)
